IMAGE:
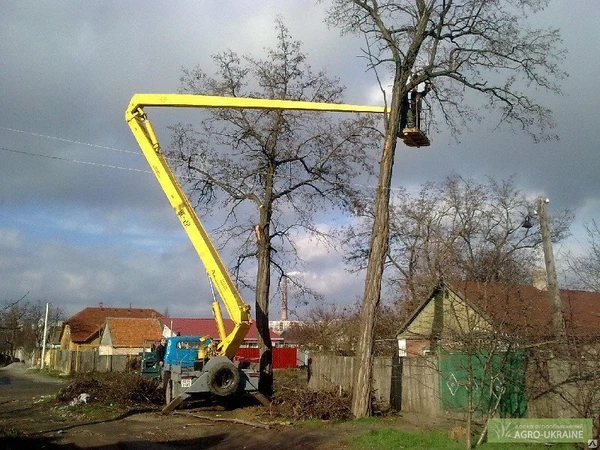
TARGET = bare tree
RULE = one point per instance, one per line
(466, 47)
(586, 267)
(333, 329)
(327, 329)
(457, 229)
(270, 171)
(22, 325)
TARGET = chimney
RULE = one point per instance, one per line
(539, 279)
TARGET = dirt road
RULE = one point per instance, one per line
(26, 411)
(29, 418)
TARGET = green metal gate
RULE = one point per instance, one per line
(492, 378)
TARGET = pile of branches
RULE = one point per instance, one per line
(126, 389)
(301, 404)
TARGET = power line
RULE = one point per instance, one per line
(88, 144)
(46, 136)
(59, 158)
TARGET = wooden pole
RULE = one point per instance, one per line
(558, 322)
(44, 339)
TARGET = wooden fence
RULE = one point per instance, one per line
(416, 384)
(69, 362)
(337, 372)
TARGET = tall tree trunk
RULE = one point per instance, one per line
(263, 285)
(263, 280)
(361, 396)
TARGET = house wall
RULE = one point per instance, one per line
(553, 396)
(459, 318)
(444, 315)
(423, 323)
(65, 339)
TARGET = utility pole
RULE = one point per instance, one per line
(44, 339)
(558, 322)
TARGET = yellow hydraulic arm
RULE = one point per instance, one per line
(238, 311)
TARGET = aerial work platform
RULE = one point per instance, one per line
(414, 137)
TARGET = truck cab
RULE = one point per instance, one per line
(185, 351)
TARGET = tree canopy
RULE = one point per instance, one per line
(270, 171)
(485, 47)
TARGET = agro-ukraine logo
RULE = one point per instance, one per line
(539, 430)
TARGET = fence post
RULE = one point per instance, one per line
(396, 383)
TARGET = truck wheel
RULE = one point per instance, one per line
(223, 379)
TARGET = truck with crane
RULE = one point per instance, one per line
(196, 366)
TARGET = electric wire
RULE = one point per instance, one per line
(46, 136)
(110, 166)
(60, 158)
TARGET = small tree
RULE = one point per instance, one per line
(479, 47)
(586, 267)
(270, 170)
(484, 349)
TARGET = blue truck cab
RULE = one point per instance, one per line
(183, 351)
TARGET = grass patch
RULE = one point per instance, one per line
(389, 439)
(393, 439)
(50, 373)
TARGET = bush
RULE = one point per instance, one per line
(127, 389)
(300, 404)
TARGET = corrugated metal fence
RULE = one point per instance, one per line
(283, 357)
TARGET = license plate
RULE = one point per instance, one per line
(186, 383)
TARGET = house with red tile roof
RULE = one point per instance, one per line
(521, 312)
(84, 330)
(208, 327)
(499, 339)
(129, 336)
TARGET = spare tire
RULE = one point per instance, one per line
(223, 379)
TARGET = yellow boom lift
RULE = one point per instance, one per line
(217, 375)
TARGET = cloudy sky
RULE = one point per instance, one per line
(82, 220)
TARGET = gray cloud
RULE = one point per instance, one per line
(75, 234)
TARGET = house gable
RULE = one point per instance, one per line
(129, 336)
(443, 315)
(125, 332)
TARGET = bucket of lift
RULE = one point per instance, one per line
(416, 136)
